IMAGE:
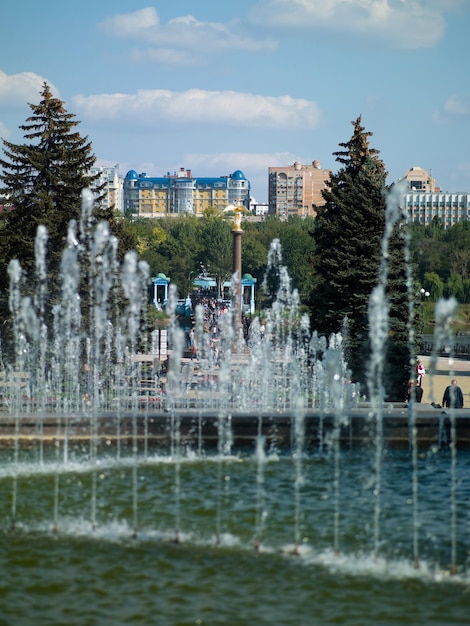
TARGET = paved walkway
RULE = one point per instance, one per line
(435, 381)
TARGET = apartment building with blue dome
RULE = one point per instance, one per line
(181, 192)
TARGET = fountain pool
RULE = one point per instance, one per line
(239, 539)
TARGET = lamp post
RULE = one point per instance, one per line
(423, 294)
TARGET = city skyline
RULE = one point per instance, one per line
(249, 85)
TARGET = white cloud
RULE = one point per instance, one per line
(456, 105)
(227, 162)
(167, 56)
(183, 33)
(137, 24)
(18, 89)
(406, 24)
(153, 108)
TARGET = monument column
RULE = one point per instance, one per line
(237, 270)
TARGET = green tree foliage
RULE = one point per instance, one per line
(181, 248)
(440, 255)
(434, 285)
(397, 351)
(180, 245)
(149, 238)
(429, 252)
(455, 287)
(297, 250)
(216, 239)
(458, 240)
(348, 235)
(254, 253)
(43, 179)
(177, 246)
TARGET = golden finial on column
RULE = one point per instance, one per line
(237, 220)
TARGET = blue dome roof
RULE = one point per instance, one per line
(238, 175)
(132, 174)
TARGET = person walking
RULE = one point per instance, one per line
(453, 396)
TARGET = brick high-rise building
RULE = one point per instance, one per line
(295, 189)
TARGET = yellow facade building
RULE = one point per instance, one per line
(182, 193)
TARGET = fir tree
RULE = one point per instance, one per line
(43, 180)
(348, 234)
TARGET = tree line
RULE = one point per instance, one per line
(186, 246)
(182, 246)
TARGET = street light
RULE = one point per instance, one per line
(424, 294)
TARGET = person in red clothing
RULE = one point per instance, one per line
(420, 372)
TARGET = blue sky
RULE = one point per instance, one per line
(219, 86)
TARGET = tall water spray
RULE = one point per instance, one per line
(179, 469)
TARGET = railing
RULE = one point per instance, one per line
(460, 346)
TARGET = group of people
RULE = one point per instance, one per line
(213, 310)
(453, 395)
(415, 388)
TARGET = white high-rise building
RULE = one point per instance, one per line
(424, 202)
(113, 184)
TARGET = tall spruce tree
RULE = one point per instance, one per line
(43, 179)
(348, 234)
